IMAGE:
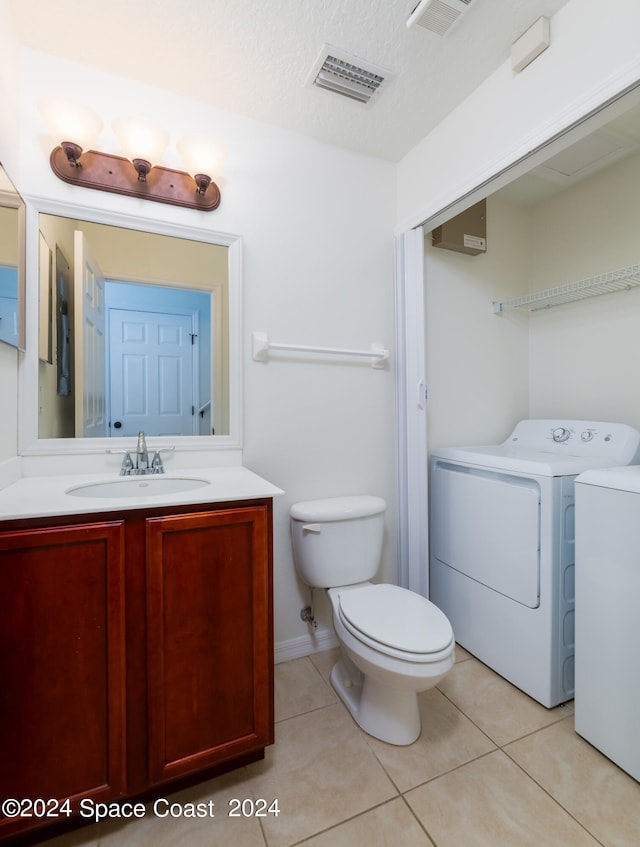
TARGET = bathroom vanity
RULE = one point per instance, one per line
(137, 650)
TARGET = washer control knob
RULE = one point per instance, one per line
(587, 435)
(561, 434)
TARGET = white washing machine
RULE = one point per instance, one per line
(502, 545)
(608, 613)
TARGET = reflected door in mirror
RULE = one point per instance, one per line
(168, 374)
(9, 305)
(151, 365)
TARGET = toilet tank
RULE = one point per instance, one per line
(337, 541)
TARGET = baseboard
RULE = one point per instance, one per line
(295, 648)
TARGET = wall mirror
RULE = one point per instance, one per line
(12, 264)
(132, 325)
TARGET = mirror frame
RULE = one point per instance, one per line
(16, 201)
(29, 444)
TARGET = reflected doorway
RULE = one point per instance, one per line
(158, 380)
(83, 391)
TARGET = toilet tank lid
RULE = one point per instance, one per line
(338, 508)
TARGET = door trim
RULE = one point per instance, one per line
(411, 413)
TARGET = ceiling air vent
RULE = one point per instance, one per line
(438, 15)
(347, 75)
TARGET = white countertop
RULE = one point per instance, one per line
(42, 496)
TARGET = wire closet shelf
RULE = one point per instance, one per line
(623, 279)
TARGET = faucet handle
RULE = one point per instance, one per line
(126, 468)
(156, 463)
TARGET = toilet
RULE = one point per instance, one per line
(395, 643)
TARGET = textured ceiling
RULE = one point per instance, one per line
(254, 57)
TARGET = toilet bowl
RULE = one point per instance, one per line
(395, 643)
(398, 644)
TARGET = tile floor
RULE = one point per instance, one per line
(492, 768)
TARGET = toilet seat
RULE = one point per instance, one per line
(396, 622)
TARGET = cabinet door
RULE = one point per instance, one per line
(209, 638)
(61, 664)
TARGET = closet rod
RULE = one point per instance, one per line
(262, 345)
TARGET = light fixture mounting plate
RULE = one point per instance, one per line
(104, 172)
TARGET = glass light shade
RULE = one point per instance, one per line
(140, 139)
(69, 121)
(201, 155)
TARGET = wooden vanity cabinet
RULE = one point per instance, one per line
(208, 646)
(62, 666)
(134, 653)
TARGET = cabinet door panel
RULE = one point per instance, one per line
(62, 662)
(210, 643)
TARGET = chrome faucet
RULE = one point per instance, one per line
(135, 464)
(142, 454)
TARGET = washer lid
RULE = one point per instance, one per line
(397, 618)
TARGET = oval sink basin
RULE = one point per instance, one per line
(151, 486)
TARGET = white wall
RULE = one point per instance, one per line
(593, 56)
(477, 362)
(9, 87)
(317, 224)
(585, 357)
(576, 361)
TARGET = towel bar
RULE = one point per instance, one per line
(262, 345)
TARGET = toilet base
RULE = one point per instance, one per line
(389, 713)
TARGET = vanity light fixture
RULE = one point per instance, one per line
(68, 120)
(201, 157)
(136, 174)
(142, 143)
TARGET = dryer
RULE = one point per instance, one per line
(607, 619)
(502, 545)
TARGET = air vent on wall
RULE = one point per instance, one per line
(347, 75)
(438, 15)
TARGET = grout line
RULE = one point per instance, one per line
(549, 794)
(470, 719)
(418, 821)
(355, 817)
(309, 711)
(495, 748)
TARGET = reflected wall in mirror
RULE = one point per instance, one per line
(137, 333)
(12, 254)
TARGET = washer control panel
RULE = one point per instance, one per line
(561, 434)
(583, 432)
(617, 443)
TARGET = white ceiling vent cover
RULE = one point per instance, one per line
(348, 75)
(438, 15)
